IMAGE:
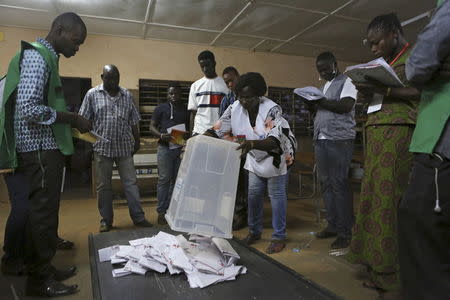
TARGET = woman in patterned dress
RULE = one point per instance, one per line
(387, 162)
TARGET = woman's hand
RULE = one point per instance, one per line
(370, 88)
(246, 146)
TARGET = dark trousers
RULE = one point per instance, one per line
(241, 204)
(424, 235)
(43, 170)
(333, 160)
(14, 243)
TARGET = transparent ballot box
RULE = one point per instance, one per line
(204, 193)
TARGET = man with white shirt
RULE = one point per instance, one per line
(206, 95)
(334, 135)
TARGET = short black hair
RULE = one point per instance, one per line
(326, 56)
(174, 84)
(386, 23)
(254, 81)
(206, 54)
(230, 69)
(68, 21)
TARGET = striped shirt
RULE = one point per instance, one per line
(205, 97)
(112, 118)
(32, 115)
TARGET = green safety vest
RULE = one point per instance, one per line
(434, 111)
(55, 99)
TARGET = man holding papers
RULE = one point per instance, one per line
(334, 135)
(115, 118)
(168, 116)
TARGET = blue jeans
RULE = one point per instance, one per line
(333, 160)
(168, 165)
(276, 187)
(125, 166)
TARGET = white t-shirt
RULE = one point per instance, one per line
(348, 90)
(205, 97)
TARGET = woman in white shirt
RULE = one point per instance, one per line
(269, 145)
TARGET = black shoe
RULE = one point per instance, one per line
(61, 275)
(13, 267)
(143, 223)
(105, 227)
(62, 244)
(251, 238)
(51, 288)
(340, 242)
(326, 233)
(161, 219)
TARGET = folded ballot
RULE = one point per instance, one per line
(377, 69)
(204, 260)
(309, 93)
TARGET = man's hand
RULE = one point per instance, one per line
(82, 124)
(166, 137)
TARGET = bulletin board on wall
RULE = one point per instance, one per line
(153, 92)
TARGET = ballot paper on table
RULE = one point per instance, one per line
(177, 140)
(90, 136)
(205, 262)
(309, 93)
(377, 69)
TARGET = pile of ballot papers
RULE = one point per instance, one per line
(204, 260)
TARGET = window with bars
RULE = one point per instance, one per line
(153, 92)
(294, 110)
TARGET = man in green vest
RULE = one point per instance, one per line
(424, 212)
(35, 134)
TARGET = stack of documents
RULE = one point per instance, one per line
(204, 260)
(309, 93)
(378, 70)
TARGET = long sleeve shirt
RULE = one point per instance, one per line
(32, 115)
(432, 48)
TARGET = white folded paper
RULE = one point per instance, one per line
(309, 93)
(206, 261)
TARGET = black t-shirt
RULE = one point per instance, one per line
(162, 116)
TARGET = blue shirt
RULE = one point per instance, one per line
(167, 115)
(226, 101)
(112, 118)
(32, 115)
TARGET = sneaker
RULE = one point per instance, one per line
(143, 223)
(340, 242)
(161, 219)
(275, 246)
(326, 233)
(251, 239)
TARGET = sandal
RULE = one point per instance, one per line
(275, 246)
